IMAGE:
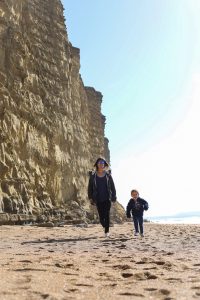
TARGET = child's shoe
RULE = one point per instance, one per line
(136, 233)
(107, 235)
(142, 235)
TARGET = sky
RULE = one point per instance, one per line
(144, 57)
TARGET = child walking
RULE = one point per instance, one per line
(136, 207)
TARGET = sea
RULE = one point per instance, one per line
(175, 219)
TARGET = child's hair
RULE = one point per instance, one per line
(134, 191)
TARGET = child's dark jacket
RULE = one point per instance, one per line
(136, 207)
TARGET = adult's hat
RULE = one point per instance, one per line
(100, 159)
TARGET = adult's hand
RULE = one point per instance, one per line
(92, 202)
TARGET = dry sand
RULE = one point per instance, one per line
(79, 263)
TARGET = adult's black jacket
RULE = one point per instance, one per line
(92, 187)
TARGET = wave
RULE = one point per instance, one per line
(175, 220)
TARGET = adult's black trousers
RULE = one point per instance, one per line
(103, 209)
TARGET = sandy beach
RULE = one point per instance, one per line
(74, 262)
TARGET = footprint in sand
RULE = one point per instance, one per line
(121, 267)
(26, 261)
(150, 268)
(121, 246)
(144, 276)
(164, 292)
(43, 296)
(169, 253)
(168, 266)
(141, 262)
(159, 263)
(127, 275)
(197, 294)
(105, 260)
(102, 274)
(159, 293)
(71, 274)
(84, 284)
(29, 269)
(131, 294)
(112, 284)
(61, 265)
(172, 279)
(72, 290)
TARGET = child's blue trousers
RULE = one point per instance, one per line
(138, 223)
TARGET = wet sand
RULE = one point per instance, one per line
(74, 262)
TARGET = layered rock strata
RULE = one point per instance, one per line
(51, 125)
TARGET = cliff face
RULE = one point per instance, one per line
(51, 126)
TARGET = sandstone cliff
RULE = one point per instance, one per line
(51, 125)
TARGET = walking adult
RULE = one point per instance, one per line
(101, 192)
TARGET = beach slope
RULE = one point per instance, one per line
(74, 262)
